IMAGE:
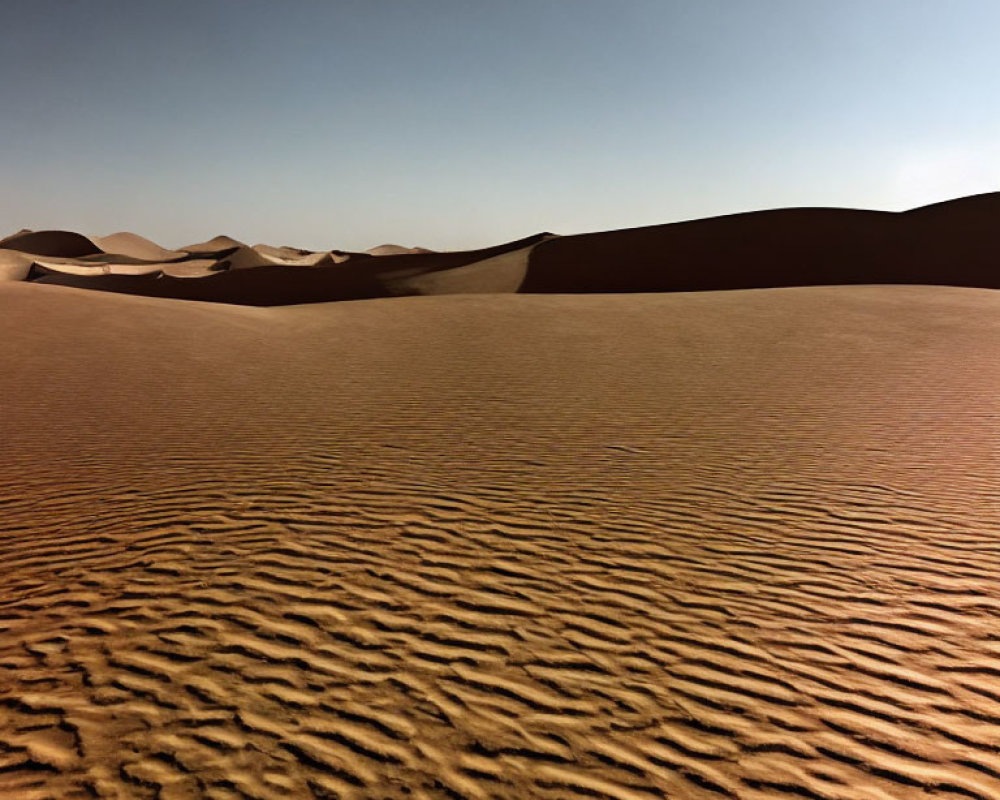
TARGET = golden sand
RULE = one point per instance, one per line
(706, 545)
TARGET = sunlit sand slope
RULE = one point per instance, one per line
(713, 545)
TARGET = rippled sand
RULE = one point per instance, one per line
(719, 544)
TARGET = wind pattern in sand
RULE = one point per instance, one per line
(720, 545)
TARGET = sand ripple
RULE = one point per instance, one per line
(712, 545)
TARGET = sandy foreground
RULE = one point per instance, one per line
(737, 544)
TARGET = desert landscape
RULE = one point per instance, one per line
(700, 510)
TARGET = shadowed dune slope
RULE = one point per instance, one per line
(258, 286)
(703, 545)
(64, 244)
(357, 278)
(954, 243)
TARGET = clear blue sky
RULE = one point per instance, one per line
(453, 123)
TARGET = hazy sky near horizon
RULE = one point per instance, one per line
(455, 123)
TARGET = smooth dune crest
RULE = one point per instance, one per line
(66, 244)
(51, 243)
(217, 245)
(952, 243)
(395, 250)
(135, 246)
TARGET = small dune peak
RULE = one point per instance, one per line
(217, 244)
(125, 243)
(393, 250)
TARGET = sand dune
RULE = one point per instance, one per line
(250, 258)
(502, 274)
(124, 246)
(952, 244)
(263, 285)
(90, 267)
(288, 256)
(217, 246)
(395, 250)
(43, 266)
(130, 244)
(246, 276)
(112, 259)
(947, 244)
(190, 268)
(297, 257)
(43, 269)
(14, 266)
(698, 545)
(51, 243)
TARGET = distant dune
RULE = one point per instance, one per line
(253, 257)
(394, 250)
(248, 276)
(218, 246)
(948, 244)
(130, 244)
(50, 243)
(951, 244)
